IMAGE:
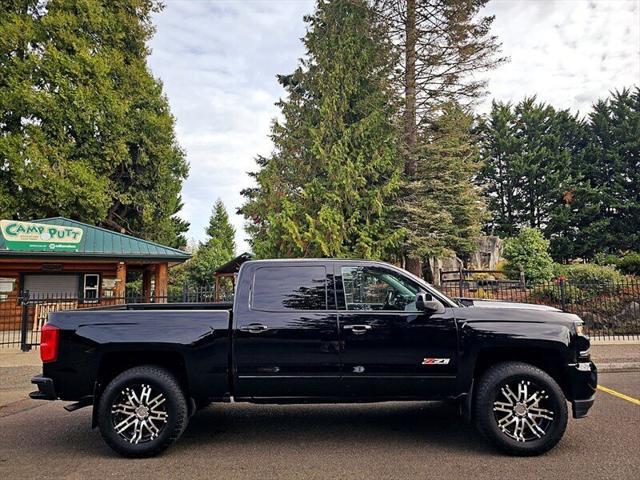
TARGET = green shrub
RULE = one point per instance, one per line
(558, 270)
(630, 264)
(589, 273)
(528, 251)
(560, 292)
(607, 259)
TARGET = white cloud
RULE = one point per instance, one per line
(567, 52)
(218, 60)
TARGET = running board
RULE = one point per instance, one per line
(83, 402)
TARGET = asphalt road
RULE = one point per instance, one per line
(373, 441)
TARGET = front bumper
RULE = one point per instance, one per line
(583, 382)
(46, 390)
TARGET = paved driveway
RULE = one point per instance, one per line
(379, 441)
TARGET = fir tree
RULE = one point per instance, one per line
(442, 204)
(441, 46)
(220, 230)
(218, 248)
(326, 189)
(607, 208)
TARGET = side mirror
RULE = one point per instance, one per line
(426, 303)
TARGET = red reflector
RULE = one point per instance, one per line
(49, 343)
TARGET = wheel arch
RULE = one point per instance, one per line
(113, 364)
(546, 358)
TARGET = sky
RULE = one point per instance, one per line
(218, 61)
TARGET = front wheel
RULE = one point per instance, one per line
(520, 409)
(142, 411)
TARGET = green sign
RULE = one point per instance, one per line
(39, 237)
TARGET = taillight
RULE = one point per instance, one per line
(49, 343)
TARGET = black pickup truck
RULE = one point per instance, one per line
(312, 331)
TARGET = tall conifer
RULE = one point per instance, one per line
(327, 187)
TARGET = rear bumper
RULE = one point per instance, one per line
(46, 390)
(583, 382)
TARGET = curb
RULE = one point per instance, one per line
(618, 367)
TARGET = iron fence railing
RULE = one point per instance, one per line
(609, 309)
(22, 315)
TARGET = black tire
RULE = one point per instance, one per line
(165, 420)
(529, 441)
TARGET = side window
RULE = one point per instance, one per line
(373, 288)
(289, 288)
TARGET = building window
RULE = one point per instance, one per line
(91, 287)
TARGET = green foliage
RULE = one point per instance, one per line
(529, 252)
(578, 181)
(607, 209)
(217, 250)
(588, 273)
(607, 259)
(220, 229)
(440, 208)
(205, 261)
(85, 130)
(560, 293)
(630, 264)
(528, 150)
(325, 190)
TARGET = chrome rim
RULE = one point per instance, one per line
(522, 412)
(139, 414)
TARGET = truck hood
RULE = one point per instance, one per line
(481, 312)
(520, 306)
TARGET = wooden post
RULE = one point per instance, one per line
(217, 295)
(121, 281)
(147, 276)
(162, 278)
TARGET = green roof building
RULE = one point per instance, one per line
(63, 258)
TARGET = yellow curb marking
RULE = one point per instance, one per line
(635, 401)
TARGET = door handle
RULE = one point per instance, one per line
(254, 328)
(358, 329)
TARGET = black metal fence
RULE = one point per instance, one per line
(22, 315)
(610, 310)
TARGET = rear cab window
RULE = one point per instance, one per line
(288, 288)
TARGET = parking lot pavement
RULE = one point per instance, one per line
(374, 441)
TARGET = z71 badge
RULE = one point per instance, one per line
(435, 361)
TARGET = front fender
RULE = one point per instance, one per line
(517, 338)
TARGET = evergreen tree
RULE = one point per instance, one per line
(216, 250)
(530, 152)
(607, 208)
(443, 205)
(441, 46)
(326, 188)
(220, 230)
(85, 130)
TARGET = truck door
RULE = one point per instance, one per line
(286, 331)
(391, 349)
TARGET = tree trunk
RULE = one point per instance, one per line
(412, 264)
(410, 129)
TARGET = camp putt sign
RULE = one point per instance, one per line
(39, 237)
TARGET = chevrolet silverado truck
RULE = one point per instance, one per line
(313, 331)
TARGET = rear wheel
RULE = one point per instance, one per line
(142, 411)
(520, 409)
